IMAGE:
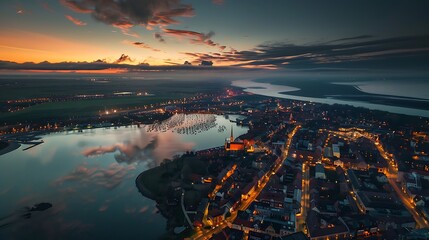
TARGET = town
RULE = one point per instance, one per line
(216, 119)
(302, 171)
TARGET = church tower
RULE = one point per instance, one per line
(231, 138)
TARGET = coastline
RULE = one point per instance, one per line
(172, 213)
(280, 91)
(142, 188)
(12, 146)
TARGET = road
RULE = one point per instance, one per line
(305, 199)
(182, 204)
(207, 234)
(391, 173)
(420, 220)
(266, 178)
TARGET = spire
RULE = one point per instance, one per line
(232, 134)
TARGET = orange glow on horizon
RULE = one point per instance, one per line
(24, 46)
(104, 71)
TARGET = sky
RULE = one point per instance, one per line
(287, 35)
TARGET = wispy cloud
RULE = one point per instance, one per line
(25, 49)
(75, 21)
(354, 52)
(46, 6)
(19, 9)
(109, 177)
(145, 46)
(195, 37)
(218, 2)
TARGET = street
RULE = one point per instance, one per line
(207, 233)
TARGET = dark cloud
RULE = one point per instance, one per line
(100, 61)
(206, 63)
(195, 37)
(145, 46)
(411, 52)
(99, 65)
(352, 38)
(359, 53)
(125, 14)
(123, 58)
(159, 37)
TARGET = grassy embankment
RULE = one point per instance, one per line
(156, 183)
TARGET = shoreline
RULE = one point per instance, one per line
(168, 212)
(142, 188)
(285, 92)
(12, 146)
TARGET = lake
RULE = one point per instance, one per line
(89, 178)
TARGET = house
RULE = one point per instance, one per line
(327, 152)
(411, 184)
(320, 171)
(322, 227)
(216, 216)
(336, 150)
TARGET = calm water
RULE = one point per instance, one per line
(279, 91)
(409, 88)
(89, 178)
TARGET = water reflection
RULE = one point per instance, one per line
(109, 177)
(89, 179)
(46, 223)
(150, 148)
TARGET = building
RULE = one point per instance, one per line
(320, 171)
(327, 152)
(295, 236)
(232, 145)
(336, 150)
(237, 146)
(322, 227)
(411, 184)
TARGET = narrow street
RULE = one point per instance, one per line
(305, 198)
(392, 175)
(420, 220)
(206, 234)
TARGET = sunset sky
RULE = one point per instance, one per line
(142, 34)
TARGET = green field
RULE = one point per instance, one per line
(14, 88)
(81, 108)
